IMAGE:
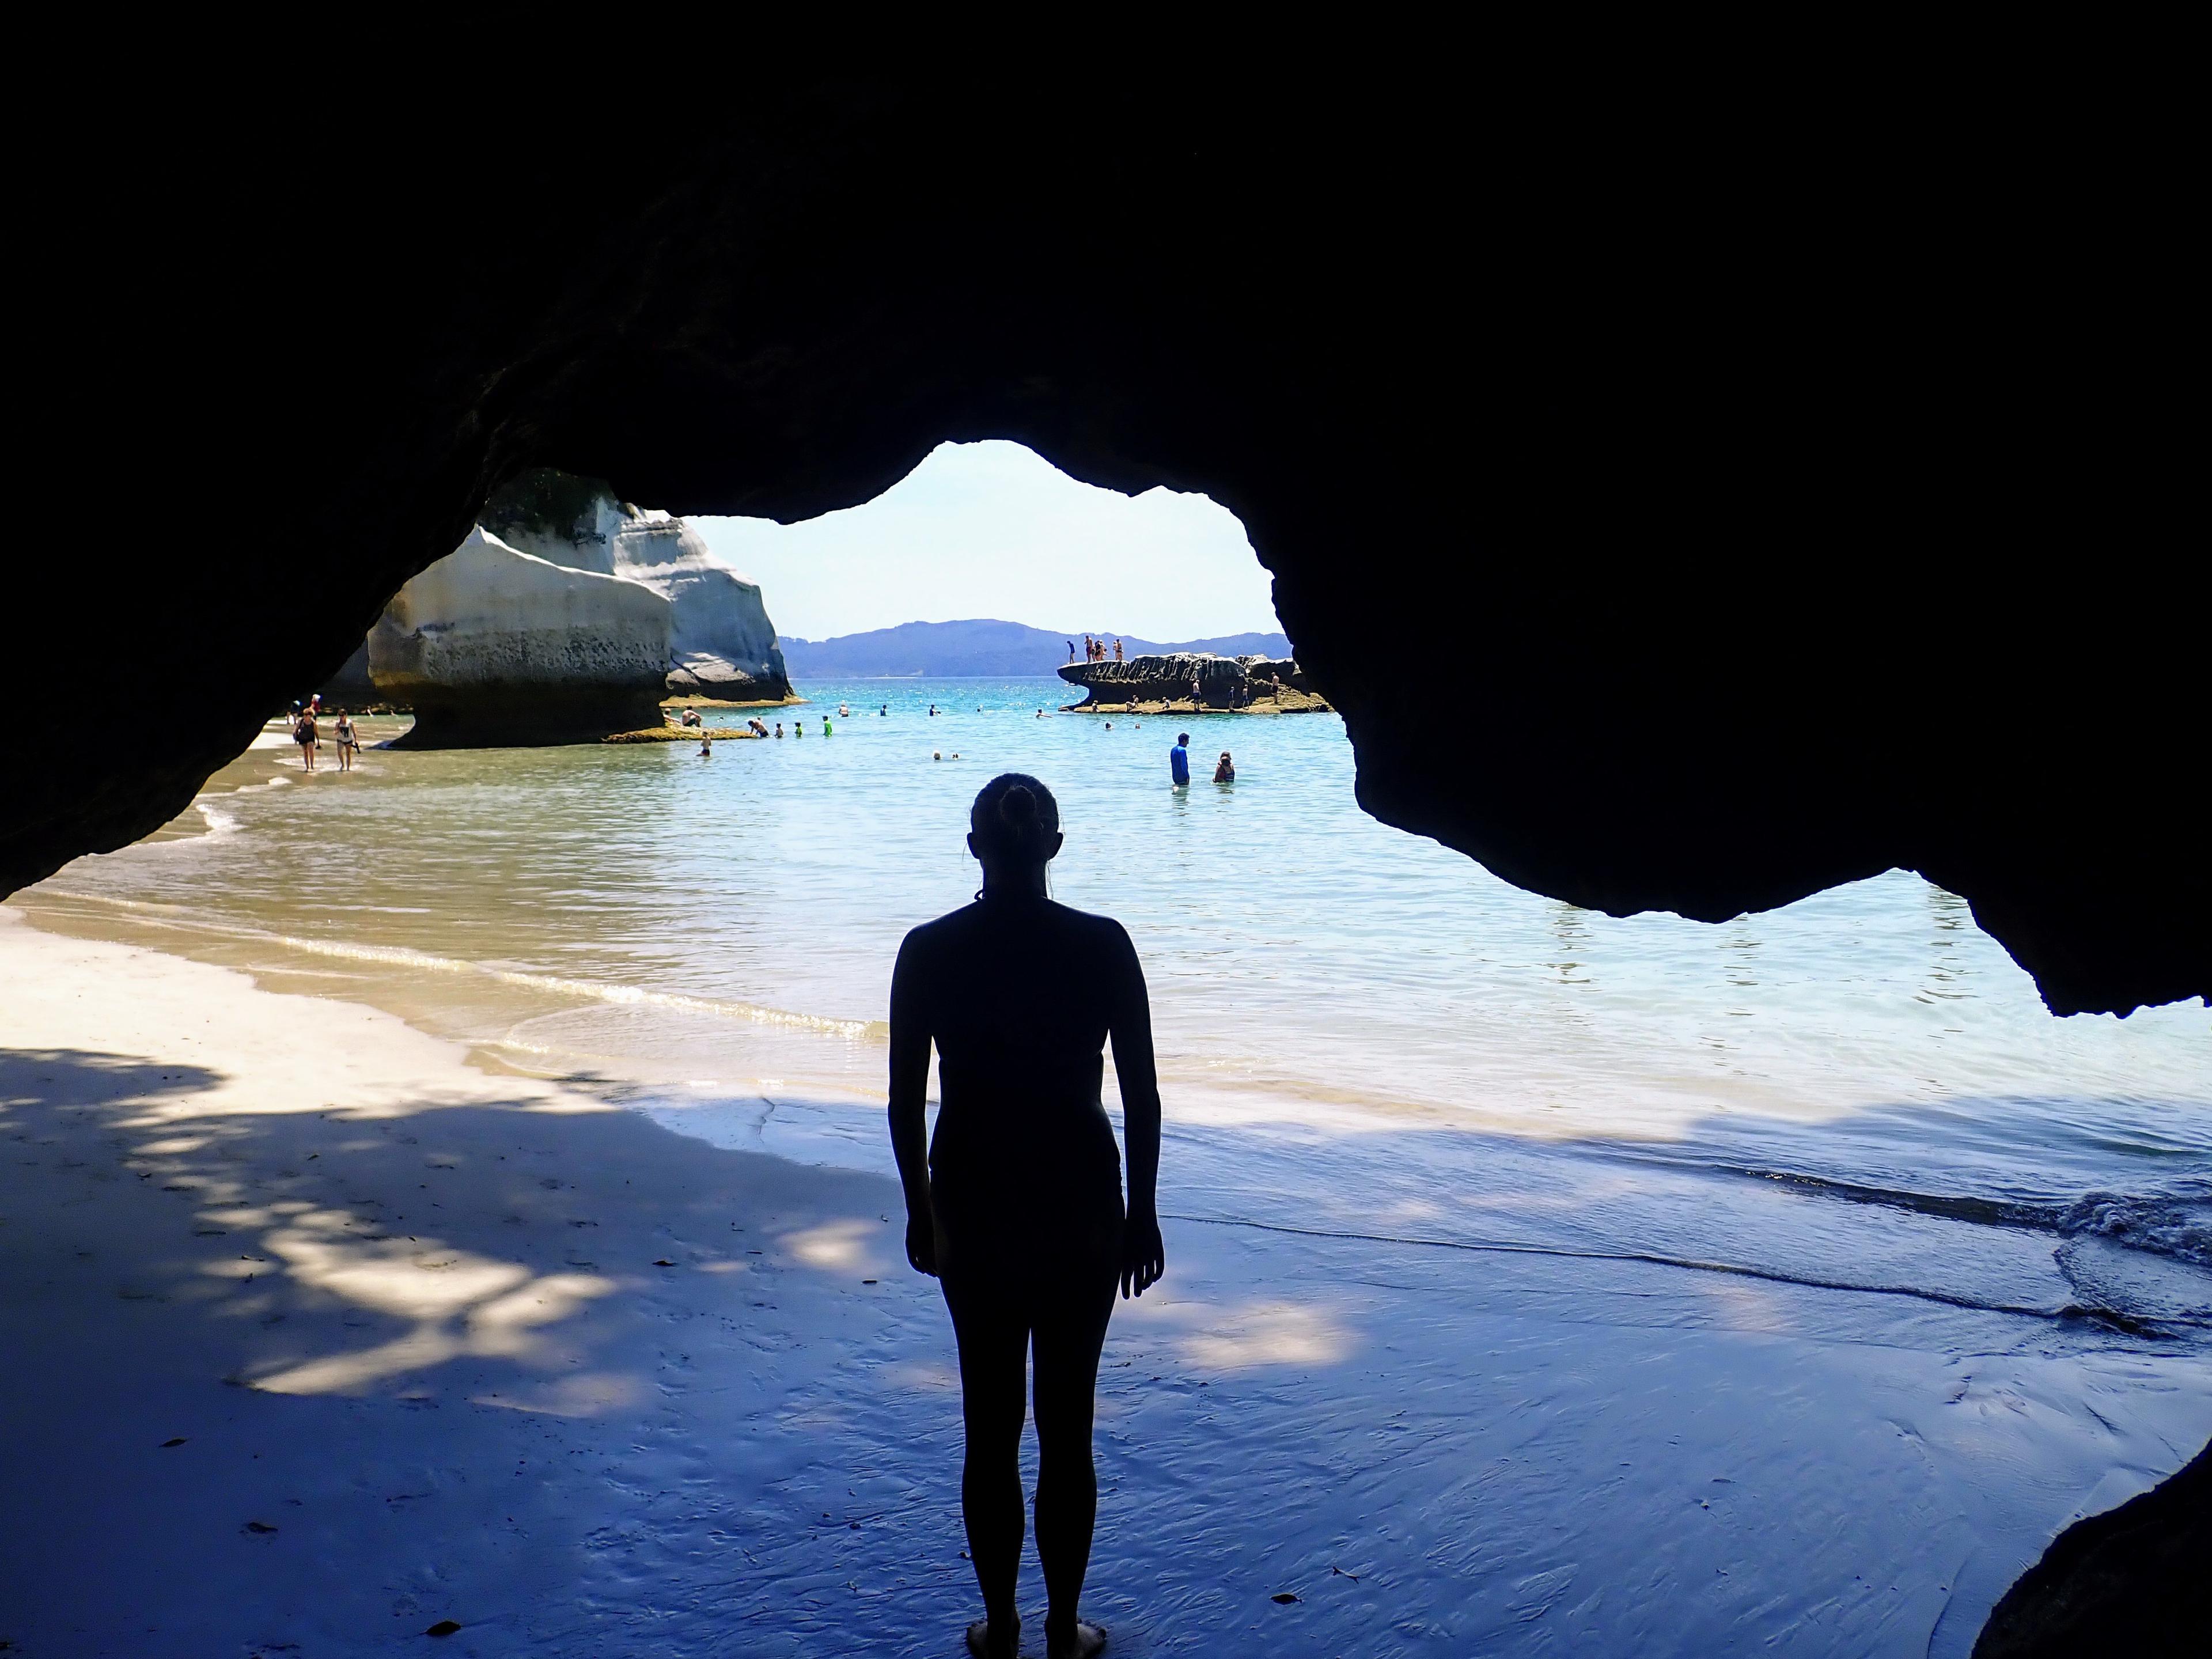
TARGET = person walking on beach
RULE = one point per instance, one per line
(348, 742)
(1017, 1208)
(1179, 760)
(304, 734)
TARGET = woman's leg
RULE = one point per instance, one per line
(1069, 1335)
(994, 1342)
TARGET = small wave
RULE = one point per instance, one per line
(2175, 1222)
(586, 989)
(2092, 1305)
(220, 820)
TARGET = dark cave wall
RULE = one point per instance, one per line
(1695, 491)
(1686, 517)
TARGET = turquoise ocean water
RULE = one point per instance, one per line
(1861, 1089)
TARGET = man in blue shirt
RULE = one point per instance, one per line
(1179, 758)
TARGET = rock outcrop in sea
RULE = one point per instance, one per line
(1197, 680)
(722, 644)
(565, 616)
(493, 646)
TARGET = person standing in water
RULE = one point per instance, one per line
(1016, 1206)
(304, 734)
(1179, 760)
(348, 741)
(1224, 772)
(825, 726)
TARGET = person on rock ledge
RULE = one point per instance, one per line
(1016, 1208)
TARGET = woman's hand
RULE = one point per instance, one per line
(921, 1242)
(1144, 1258)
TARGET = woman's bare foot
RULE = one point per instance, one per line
(1084, 1642)
(981, 1644)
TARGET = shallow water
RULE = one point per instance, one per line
(1360, 1032)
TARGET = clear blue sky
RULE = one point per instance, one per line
(994, 530)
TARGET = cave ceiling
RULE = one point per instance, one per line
(1689, 508)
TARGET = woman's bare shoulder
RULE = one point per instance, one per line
(925, 935)
(1101, 929)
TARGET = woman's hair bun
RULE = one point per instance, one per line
(1015, 816)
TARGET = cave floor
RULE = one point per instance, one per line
(320, 1335)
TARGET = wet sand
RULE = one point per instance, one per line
(438, 1343)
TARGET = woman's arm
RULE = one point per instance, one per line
(1143, 1256)
(910, 1105)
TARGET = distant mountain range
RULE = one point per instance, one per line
(996, 650)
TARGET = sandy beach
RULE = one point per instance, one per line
(323, 1334)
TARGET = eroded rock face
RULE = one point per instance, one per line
(722, 644)
(2133, 1580)
(494, 645)
(1194, 679)
(1210, 681)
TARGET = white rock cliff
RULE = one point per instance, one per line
(565, 615)
(724, 645)
(495, 645)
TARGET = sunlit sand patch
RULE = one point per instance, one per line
(592, 1394)
(835, 1246)
(460, 1303)
(1746, 1305)
(344, 1373)
(1250, 1336)
(938, 1378)
(174, 1147)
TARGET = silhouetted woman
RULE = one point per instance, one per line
(1019, 1210)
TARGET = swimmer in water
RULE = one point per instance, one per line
(1016, 1208)
(779, 728)
(937, 754)
(843, 712)
(1223, 771)
(705, 748)
(825, 726)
